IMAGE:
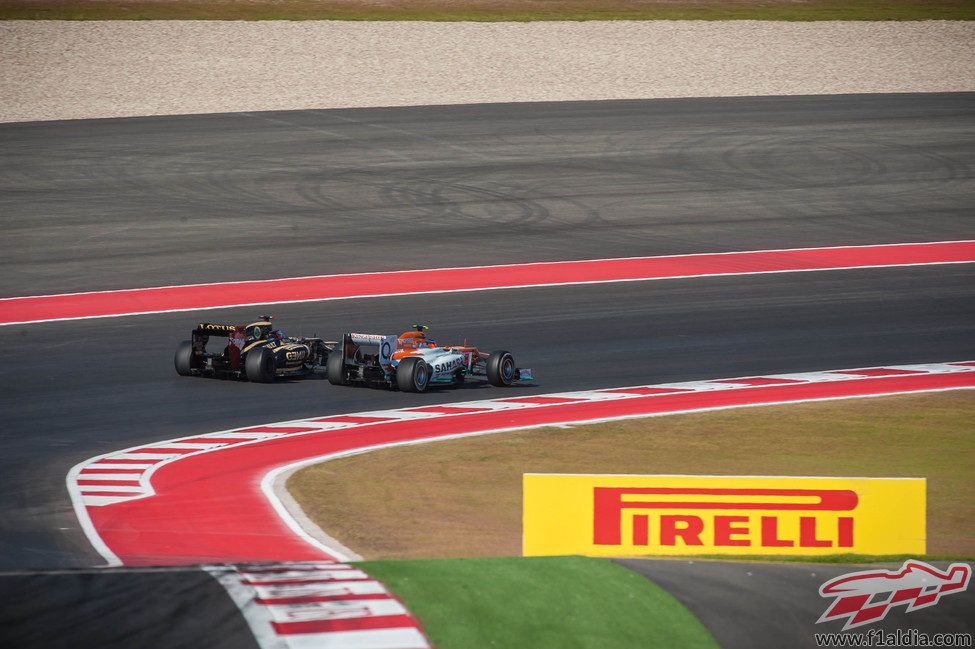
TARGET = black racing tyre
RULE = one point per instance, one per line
(335, 369)
(187, 363)
(501, 369)
(260, 365)
(413, 375)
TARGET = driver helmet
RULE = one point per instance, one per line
(258, 330)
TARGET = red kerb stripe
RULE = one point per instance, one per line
(647, 391)
(542, 401)
(311, 599)
(346, 419)
(447, 410)
(759, 381)
(276, 291)
(94, 468)
(279, 429)
(82, 482)
(880, 371)
(345, 624)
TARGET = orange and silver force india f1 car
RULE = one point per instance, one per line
(256, 352)
(412, 362)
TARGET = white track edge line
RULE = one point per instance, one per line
(310, 536)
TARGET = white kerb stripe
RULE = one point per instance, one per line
(402, 638)
(98, 501)
(94, 488)
(244, 435)
(186, 445)
(318, 575)
(336, 610)
(330, 589)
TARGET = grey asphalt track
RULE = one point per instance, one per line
(169, 608)
(124, 203)
(751, 604)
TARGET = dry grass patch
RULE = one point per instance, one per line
(462, 498)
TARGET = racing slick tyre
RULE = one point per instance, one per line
(335, 369)
(187, 363)
(413, 375)
(501, 369)
(260, 365)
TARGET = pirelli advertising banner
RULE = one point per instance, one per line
(618, 515)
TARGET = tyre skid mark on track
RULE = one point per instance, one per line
(168, 299)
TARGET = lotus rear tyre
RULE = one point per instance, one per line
(187, 363)
(501, 369)
(413, 375)
(260, 365)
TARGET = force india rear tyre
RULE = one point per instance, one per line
(413, 375)
(187, 363)
(501, 369)
(260, 365)
(335, 369)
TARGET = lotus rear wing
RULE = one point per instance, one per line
(236, 334)
(208, 329)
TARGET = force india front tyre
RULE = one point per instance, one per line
(335, 369)
(501, 369)
(413, 375)
(260, 365)
(186, 361)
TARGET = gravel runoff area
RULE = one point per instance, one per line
(69, 70)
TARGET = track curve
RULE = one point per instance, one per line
(213, 497)
(220, 198)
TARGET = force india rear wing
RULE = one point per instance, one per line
(386, 345)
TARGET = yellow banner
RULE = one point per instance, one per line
(621, 515)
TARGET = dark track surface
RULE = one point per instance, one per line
(750, 604)
(123, 203)
(136, 202)
(119, 609)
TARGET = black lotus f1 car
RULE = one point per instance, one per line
(256, 352)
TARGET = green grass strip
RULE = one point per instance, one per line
(533, 602)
